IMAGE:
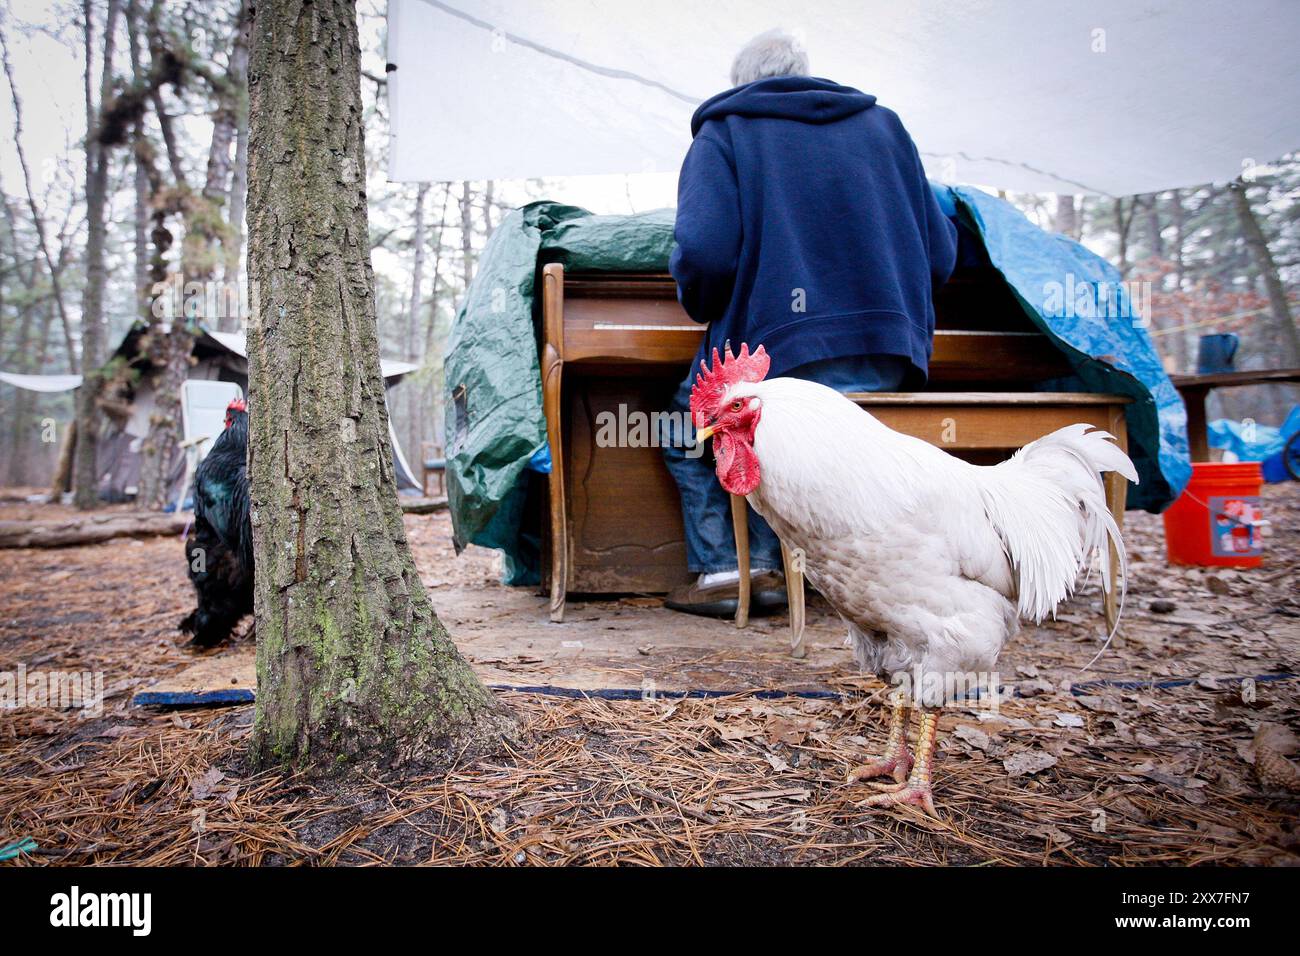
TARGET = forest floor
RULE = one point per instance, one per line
(1145, 758)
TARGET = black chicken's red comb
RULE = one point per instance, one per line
(237, 405)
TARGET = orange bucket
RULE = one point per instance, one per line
(1216, 520)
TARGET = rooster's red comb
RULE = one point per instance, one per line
(712, 383)
(237, 405)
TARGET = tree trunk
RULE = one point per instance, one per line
(1066, 219)
(1284, 327)
(467, 232)
(431, 374)
(1122, 224)
(239, 175)
(1153, 225)
(85, 478)
(1186, 352)
(19, 472)
(352, 662)
(410, 390)
(140, 146)
(489, 190)
(62, 480)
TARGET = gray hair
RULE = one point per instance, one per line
(774, 53)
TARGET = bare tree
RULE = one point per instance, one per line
(38, 219)
(1284, 327)
(85, 476)
(467, 232)
(1123, 222)
(1066, 220)
(169, 348)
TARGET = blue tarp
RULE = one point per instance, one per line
(1250, 441)
(495, 426)
(1079, 300)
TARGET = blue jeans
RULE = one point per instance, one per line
(706, 511)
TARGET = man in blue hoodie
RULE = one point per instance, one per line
(804, 223)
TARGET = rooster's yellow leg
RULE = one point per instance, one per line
(916, 791)
(897, 759)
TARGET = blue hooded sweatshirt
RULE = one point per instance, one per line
(805, 223)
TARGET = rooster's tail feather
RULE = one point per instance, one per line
(1048, 503)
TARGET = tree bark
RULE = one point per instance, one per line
(1122, 224)
(140, 146)
(89, 530)
(85, 476)
(1151, 206)
(1284, 327)
(411, 390)
(467, 232)
(1066, 218)
(239, 175)
(352, 662)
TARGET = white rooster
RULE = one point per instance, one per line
(930, 561)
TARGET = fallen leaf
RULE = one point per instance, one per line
(201, 787)
(1028, 762)
(1099, 705)
(973, 736)
(789, 730)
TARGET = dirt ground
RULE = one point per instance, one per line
(1145, 758)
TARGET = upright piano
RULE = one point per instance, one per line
(621, 339)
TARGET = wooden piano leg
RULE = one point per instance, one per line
(1116, 496)
(740, 527)
(794, 594)
(552, 407)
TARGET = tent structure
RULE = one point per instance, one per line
(217, 357)
(1110, 97)
(497, 434)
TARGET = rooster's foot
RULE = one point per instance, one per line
(897, 759)
(893, 765)
(909, 794)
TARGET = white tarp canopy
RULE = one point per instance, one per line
(236, 342)
(41, 383)
(1114, 97)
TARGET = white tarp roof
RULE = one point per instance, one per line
(237, 343)
(1110, 96)
(41, 383)
(231, 341)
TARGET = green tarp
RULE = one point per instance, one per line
(495, 428)
(496, 432)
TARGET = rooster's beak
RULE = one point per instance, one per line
(704, 434)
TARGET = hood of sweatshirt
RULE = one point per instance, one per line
(806, 99)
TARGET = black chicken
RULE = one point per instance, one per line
(219, 546)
